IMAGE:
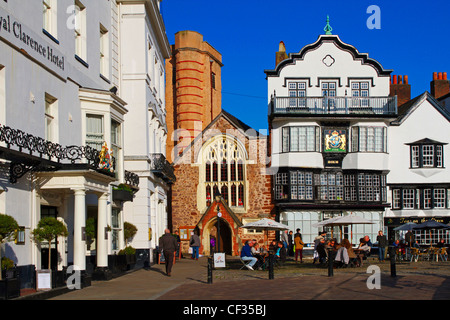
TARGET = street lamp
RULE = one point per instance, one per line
(217, 197)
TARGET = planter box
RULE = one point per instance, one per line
(9, 288)
(122, 195)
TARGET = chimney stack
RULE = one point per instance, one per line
(281, 54)
(440, 86)
(401, 88)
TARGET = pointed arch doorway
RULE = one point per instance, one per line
(223, 241)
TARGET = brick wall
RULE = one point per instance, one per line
(184, 192)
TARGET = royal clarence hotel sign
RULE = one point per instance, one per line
(20, 36)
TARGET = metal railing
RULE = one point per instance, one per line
(333, 105)
(162, 168)
(27, 152)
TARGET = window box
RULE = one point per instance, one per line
(122, 195)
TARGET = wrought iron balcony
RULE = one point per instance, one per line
(30, 153)
(131, 179)
(336, 106)
(162, 168)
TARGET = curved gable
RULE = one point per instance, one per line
(363, 57)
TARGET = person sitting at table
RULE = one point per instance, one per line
(416, 244)
(364, 250)
(351, 254)
(257, 254)
(441, 243)
(273, 246)
(322, 252)
(246, 255)
(280, 254)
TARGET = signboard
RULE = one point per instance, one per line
(43, 280)
(185, 232)
(31, 42)
(219, 260)
(335, 140)
(333, 162)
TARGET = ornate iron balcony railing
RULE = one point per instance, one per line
(27, 152)
(131, 179)
(162, 168)
(362, 106)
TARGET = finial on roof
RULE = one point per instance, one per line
(328, 28)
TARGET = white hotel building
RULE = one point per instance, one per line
(66, 88)
(340, 146)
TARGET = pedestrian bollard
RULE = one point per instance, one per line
(271, 266)
(392, 258)
(330, 262)
(210, 268)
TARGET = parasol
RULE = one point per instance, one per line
(406, 227)
(349, 220)
(265, 225)
(431, 225)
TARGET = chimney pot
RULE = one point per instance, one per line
(405, 79)
(444, 76)
(440, 76)
(400, 79)
(395, 79)
(435, 75)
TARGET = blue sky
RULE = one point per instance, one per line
(413, 39)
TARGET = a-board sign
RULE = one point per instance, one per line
(219, 260)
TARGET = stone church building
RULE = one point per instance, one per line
(219, 162)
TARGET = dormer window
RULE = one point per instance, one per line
(427, 153)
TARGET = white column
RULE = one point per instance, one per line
(102, 243)
(79, 242)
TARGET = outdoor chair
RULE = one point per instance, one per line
(244, 264)
(443, 254)
(415, 254)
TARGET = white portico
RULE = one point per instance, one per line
(72, 187)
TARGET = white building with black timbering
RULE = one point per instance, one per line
(419, 178)
(346, 138)
(329, 114)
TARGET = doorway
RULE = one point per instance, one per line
(223, 242)
(48, 211)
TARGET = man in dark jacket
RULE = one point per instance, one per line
(168, 245)
(382, 244)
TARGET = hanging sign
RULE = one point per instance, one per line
(335, 140)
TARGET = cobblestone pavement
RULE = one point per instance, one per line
(422, 280)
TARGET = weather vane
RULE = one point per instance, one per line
(328, 28)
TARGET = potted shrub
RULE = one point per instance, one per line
(91, 231)
(9, 287)
(123, 193)
(130, 256)
(48, 229)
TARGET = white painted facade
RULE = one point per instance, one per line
(420, 191)
(55, 81)
(144, 48)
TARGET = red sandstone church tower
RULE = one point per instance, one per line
(193, 89)
(212, 153)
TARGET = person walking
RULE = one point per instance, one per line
(382, 244)
(168, 245)
(194, 243)
(298, 247)
(290, 244)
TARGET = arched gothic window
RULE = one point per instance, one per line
(224, 171)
